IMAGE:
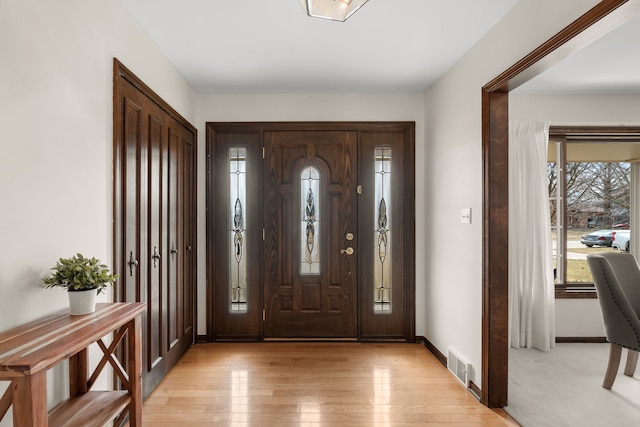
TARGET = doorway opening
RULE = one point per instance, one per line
(495, 129)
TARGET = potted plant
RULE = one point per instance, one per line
(83, 278)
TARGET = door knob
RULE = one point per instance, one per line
(348, 251)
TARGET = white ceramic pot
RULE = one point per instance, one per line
(82, 302)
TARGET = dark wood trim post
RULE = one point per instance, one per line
(495, 254)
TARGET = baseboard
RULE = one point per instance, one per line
(475, 390)
(432, 348)
(201, 339)
(590, 340)
(508, 420)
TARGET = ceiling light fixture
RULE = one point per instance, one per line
(336, 10)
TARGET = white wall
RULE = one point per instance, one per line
(56, 140)
(577, 318)
(56, 150)
(453, 133)
(313, 107)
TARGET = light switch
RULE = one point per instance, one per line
(465, 216)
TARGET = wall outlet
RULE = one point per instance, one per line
(465, 216)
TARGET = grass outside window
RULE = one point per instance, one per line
(577, 269)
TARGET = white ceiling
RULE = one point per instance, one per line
(272, 46)
(388, 46)
(609, 64)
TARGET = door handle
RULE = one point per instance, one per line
(132, 263)
(156, 256)
(349, 251)
(173, 248)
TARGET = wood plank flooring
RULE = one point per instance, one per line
(314, 384)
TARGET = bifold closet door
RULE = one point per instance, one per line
(153, 219)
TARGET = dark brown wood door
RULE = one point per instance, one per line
(310, 285)
(285, 202)
(154, 235)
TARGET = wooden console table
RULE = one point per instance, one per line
(28, 351)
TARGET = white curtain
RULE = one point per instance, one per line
(531, 283)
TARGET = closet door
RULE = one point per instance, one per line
(178, 224)
(153, 236)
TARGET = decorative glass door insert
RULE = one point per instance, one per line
(238, 202)
(382, 233)
(310, 239)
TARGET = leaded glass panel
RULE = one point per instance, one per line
(382, 233)
(238, 219)
(310, 225)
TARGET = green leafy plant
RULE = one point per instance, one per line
(80, 274)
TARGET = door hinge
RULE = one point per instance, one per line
(264, 315)
(263, 235)
(262, 153)
(359, 189)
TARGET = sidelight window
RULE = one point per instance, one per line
(238, 203)
(310, 225)
(382, 233)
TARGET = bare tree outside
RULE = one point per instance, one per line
(598, 200)
(597, 194)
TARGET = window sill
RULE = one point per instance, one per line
(576, 291)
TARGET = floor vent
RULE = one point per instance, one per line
(458, 367)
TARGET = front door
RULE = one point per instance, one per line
(310, 283)
(311, 231)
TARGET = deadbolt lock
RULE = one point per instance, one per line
(349, 236)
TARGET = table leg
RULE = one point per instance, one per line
(78, 371)
(134, 341)
(30, 400)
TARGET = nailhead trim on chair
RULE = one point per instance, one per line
(615, 300)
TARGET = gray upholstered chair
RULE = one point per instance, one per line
(617, 279)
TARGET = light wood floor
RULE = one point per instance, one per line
(314, 384)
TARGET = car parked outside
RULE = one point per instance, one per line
(597, 238)
(620, 240)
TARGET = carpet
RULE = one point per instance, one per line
(564, 388)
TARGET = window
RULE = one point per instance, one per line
(310, 225)
(589, 190)
(382, 234)
(237, 220)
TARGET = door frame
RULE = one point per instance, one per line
(495, 167)
(409, 224)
